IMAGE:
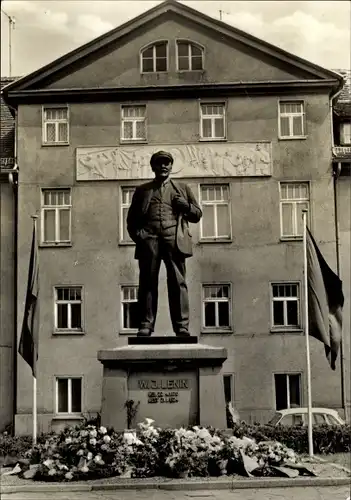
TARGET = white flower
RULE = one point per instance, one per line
(103, 430)
(104, 447)
(131, 438)
(68, 440)
(48, 463)
(84, 433)
(52, 472)
(93, 433)
(85, 468)
(80, 453)
(92, 441)
(69, 475)
(98, 460)
(107, 439)
(149, 421)
(90, 455)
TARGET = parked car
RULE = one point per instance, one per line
(299, 416)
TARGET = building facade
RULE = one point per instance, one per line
(249, 128)
(7, 262)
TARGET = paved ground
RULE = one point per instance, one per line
(296, 493)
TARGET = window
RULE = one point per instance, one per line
(287, 390)
(127, 195)
(216, 307)
(291, 119)
(189, 56)
(212, 121)
(56, 216)
(215, 222)
(68, 395)
(55, 125)
(133, 123)
(68, 309)
(345, 133)
(154, 58)
(130, 308)
(294, 197)
(285, 305)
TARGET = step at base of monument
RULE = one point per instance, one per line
(157, 340)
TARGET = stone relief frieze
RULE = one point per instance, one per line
(190, 160)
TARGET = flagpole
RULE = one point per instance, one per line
(308, 357)
(35, 217)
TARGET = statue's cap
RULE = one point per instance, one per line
(161, 154)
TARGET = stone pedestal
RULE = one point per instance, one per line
(175, 381)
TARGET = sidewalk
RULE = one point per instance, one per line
(327, 475)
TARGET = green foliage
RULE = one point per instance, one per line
(326, 438)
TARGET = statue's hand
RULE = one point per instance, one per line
(180, 204)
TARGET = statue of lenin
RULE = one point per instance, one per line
(158, 222)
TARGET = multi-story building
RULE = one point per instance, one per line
(7, 262)
(249, 126)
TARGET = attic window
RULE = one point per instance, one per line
(189, 56)
(154, 58)
(55, 125)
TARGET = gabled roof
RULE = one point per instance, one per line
(342, 107)
(34, 79)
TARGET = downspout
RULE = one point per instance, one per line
(336, 174)
(13, 179)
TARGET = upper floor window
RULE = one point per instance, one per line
(56, 216)
(215, 222)
(55, 125)
(133, 127)
(216, 307)
(154, 58)
(68, 309)
(212, 121)
(285, 311)
(294, 198)
(291, 119)
(345, 133)
(189, 56)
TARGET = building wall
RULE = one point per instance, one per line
(253, 259)
(7, 313)
(344, 216)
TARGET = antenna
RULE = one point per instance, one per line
(11, 27)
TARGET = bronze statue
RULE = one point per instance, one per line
(158, 222)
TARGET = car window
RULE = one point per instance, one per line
(275, 419)
(332, 420)
(292, 419)
(319, 419)
(297, 419)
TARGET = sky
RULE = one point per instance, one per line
(319, 31)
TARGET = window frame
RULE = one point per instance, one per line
(294, 202)
(225, 120)
(215, 239)
(343, 135)
(122, 205)
(286, 328)
(154, 44)
(69, 331)
(44, 140)
(132, 140)
(301, 392)
(43, 208)
(303, 119)
(68, 414)
(196, 44)
(217, 329)
(124, 330)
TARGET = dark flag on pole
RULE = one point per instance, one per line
(325, 301)
(28, 346)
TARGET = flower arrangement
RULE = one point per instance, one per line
(89, 452)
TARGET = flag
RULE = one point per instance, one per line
(28, 346)
(325, 301)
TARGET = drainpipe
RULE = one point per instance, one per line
(13, 179)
